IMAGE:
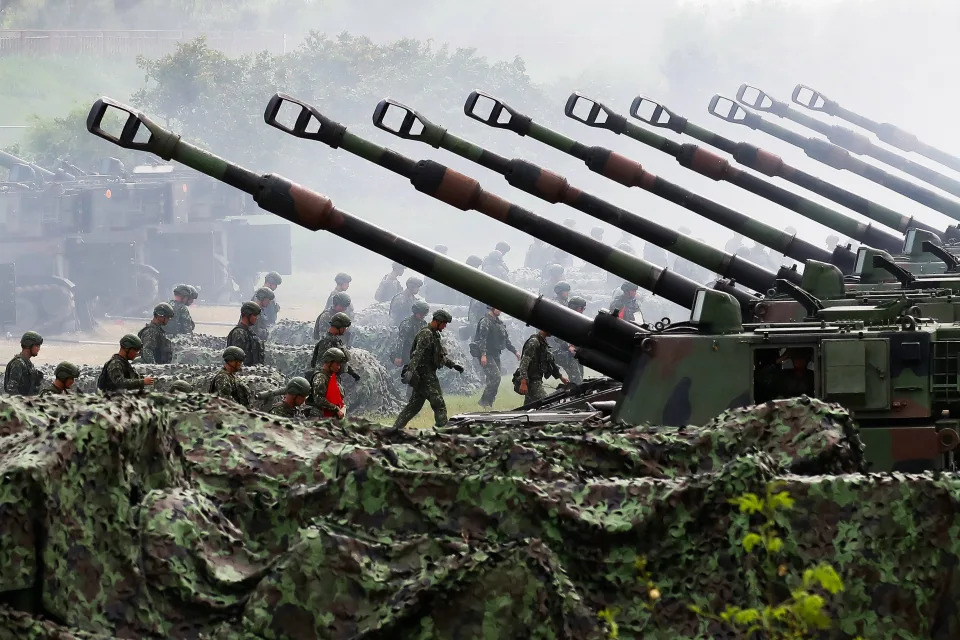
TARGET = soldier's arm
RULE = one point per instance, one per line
(419, 348)
(149, 347)
(187, 323)
(320, 383)
(507, 342)
(222, 387)
(115, 373)
(17, 379)
(529, 352)
(483, 332)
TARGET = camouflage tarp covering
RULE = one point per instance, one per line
(175, 516)
(293, 332)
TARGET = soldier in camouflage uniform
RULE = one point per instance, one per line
(536, 363)
(408, 330)
(390, 284)
(562, 292)
(243, 337)
(427, 355)
(339, 324)
(182, 322)
(327, 390)
(157, 348)
(339, 303)
(626, 305)
(226, 384)
(494, 265)
(491, 338)
(403, 300)
(270, 312)
(263, 297)
(296, 393)
(118, 374)
(564, 351)
(550, 276)
(63, 378)
(20, 376)
(343, 281)
(503, 248)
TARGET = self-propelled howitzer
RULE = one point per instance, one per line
(553, 188)
(842, 137)
(465, 193)
(892, 135)
(834, 156)
(596, 114)
(607, 343)
(495, 113)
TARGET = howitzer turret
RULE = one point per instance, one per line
(706, 163)
(834, 156)
(553, 188)
(892, 135)
(12, 162)
(607, 343)
(465, 193)
(495, 113)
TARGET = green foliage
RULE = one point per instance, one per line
(52, 139)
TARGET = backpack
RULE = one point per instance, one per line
(474, 345)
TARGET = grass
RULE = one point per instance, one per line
(506, 399)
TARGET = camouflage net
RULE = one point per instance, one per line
(292, 332)
(180, 516)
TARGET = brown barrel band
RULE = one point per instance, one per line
(314, 210)
(709, 164)
(458, 190)
(767, 163)
(492, 205)
(623, 170)
(552, 187)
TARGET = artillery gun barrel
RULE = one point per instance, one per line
(8, 160)
(833, 156)
(551, 187)
(595, 114)
(630, 173)
(465, 193)
(770, 164)
(846, 138)
(316, 212)
(886, 132)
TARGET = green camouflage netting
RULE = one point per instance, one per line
(184, 516)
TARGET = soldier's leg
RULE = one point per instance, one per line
(435, 396)
(491, 374)
(535, 391)
(412, 408)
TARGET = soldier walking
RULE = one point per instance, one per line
(327, 390)
(182, 322)
(243, 337)
(118, 374)
(490, 340)
(63, 378)
(390, 284)
(626, 305)
(565, 351)
(270, 312)
(296, 393)
(427, 355)
(342, 281)
(339, 324)
(157, 348)
(21, 377)
(339, 303)
(403, 300)
(536, 363)
(408, 330)
(226, 384)
(264, 298)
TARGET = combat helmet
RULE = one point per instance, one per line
(30, 339)
(340, 320)
(340, 299)
(131, 341)
(183, 290)
(343, 278)
(250, 309)
(234, 354)
(502, 247)
(442, 315)
(273, 278)
(419, 307)
(181, 386)
(333, 354)
(163, 310)
(298, 387)
(194, 291)
(66, 370)
(474, 261)
(413, 282)
(561, 287)
(263, 293)
(576, 302)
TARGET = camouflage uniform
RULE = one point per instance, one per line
(565, 359)
(119, 375)
(51, 390)
(241, 336)
(157, 348)
(427, 355)
(406, 334)
(388, 288)
(321, 380)
(21, 377)
(492, 338)
(629, 306)
(536, 363)
(181, 322)
(330, 341)
(400, 306)
(226, 385)
(283, 410)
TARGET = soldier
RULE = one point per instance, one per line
(426, 356)
(339, 324)
(475, 308)
(626, 305)
(226, 384)
(539, 253)
(403, 300)
(503, 248)
(343, 281)
(408, 330)
(550, 276)
(118, 374)
(338, 304)
(63, 378)
(296, 393)
(327, 390)
(562, 290)
(495, 266)
(490, 340)
(565, 352)
(181, 386)
(157, 348)
(597, 234)
(182, 322)
(270, 312)
(264, 298)
(20, 377)
(536, 363)
(243, 336)
(390, 284)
